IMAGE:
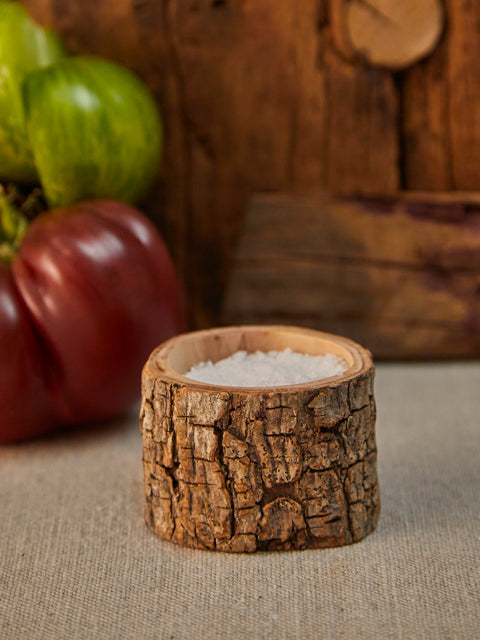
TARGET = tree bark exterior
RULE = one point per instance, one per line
(240, 470)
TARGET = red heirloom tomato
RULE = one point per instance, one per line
(90, 293)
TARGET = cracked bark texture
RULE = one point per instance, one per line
(242, 471)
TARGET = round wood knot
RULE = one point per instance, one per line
(259, 468)
(387, 33)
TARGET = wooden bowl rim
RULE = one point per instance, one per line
(158, 364)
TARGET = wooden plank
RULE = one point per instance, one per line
(441, 98)
(427, 162)
(254, 97)
(464, 93)
(363, 155)
(401, 275)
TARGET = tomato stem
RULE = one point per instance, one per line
(7, 254)
(13, 225)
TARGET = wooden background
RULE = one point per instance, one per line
(264, 95)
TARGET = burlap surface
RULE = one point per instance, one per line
(77, 561)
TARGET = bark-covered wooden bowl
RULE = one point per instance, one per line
(259, 468)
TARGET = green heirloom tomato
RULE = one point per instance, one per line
(24, 46)
(94, 129)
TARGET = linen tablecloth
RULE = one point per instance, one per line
(77, 561)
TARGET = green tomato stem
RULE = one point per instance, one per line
(7, 254)
(13, 225)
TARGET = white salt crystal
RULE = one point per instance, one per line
(271, 369)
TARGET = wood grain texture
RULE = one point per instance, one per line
(425, 130)
(246, 470)
(400, 275)
(440, 108)
(254, 97)
(258, 95)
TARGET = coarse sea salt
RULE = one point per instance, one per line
(267, 369)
